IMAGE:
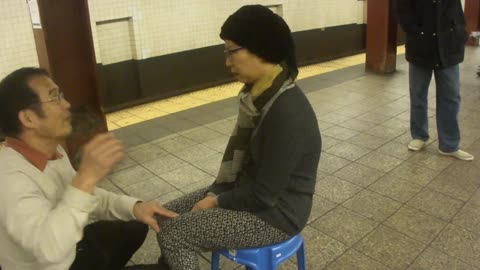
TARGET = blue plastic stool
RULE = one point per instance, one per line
(265, 258)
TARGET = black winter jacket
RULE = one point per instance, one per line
(435, 30)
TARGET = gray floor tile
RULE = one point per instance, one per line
(374, 118)
(436, 204)
(198, 185)
(351, 112)
(344, 225)
(165, 198)
(109, 186)
(457, 187)
(330, 163)
(395, 188)
(176, 144)
(164, 164)
(218, 144)
(348, 151)
(379, 161)
(320, 248)
(176, 123)
(147, 153)
(431, 159)
(397, 150)
(414, 173)
(389, 110)
(385, 132)
(210, 165)
(335, 189)
(340, 133)
(130, 176)
(321, 175)
(416, 224)
(372, 205)
(475, 198)
(164, 138)
(358, 174)
(404, 139)
(468, 170)
(469, 218)
(324, 125)
(358, 125)
(320, 206)
(353, 259)
(334, 118)
(433, 259)
(137, 147)
(195, 153)
(287, 265)
(129, 139)
(390, 247)
(149, 189)
(223, 126)
(328, 142)
(152, 132)
(198, 116)
(459, 243)
(397, 123)
(367, 141)
(201, 134)
(123, 164)
(184, 176)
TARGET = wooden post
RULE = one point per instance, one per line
(71, 57)
(472, 16)
(381, 36)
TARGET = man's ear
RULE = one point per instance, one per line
(27, 118)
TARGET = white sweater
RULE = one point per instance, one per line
(42, 215)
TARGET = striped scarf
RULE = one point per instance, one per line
(252, 99)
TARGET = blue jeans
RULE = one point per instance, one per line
(448, 104)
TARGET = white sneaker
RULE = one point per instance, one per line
(416, 145)
(458, 154)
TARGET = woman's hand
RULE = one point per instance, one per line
(206, 203)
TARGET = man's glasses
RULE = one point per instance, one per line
(229, 52)
(57, 98)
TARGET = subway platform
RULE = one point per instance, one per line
(377, 205)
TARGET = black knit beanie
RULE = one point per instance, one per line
(263, 33)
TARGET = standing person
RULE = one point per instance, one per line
(46, 206)
(436, 36)
(263, 192)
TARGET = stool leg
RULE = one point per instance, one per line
(301, 258)
(215, 261)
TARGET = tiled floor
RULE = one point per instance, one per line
(376, 206)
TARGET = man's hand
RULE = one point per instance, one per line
(99, 157)
(206, 203)
(145, 211)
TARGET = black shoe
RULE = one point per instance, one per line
(162, 263)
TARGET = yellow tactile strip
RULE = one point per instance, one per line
(175, 104)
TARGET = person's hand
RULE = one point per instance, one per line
(145, 212)
(206, 203)
(99, 157)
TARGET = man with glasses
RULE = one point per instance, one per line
(49, 214)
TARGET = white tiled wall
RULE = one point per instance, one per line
(160, 27)
(116, 42)
(17, 45)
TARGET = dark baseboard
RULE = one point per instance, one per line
(135, 82)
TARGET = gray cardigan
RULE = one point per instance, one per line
(278, 177)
